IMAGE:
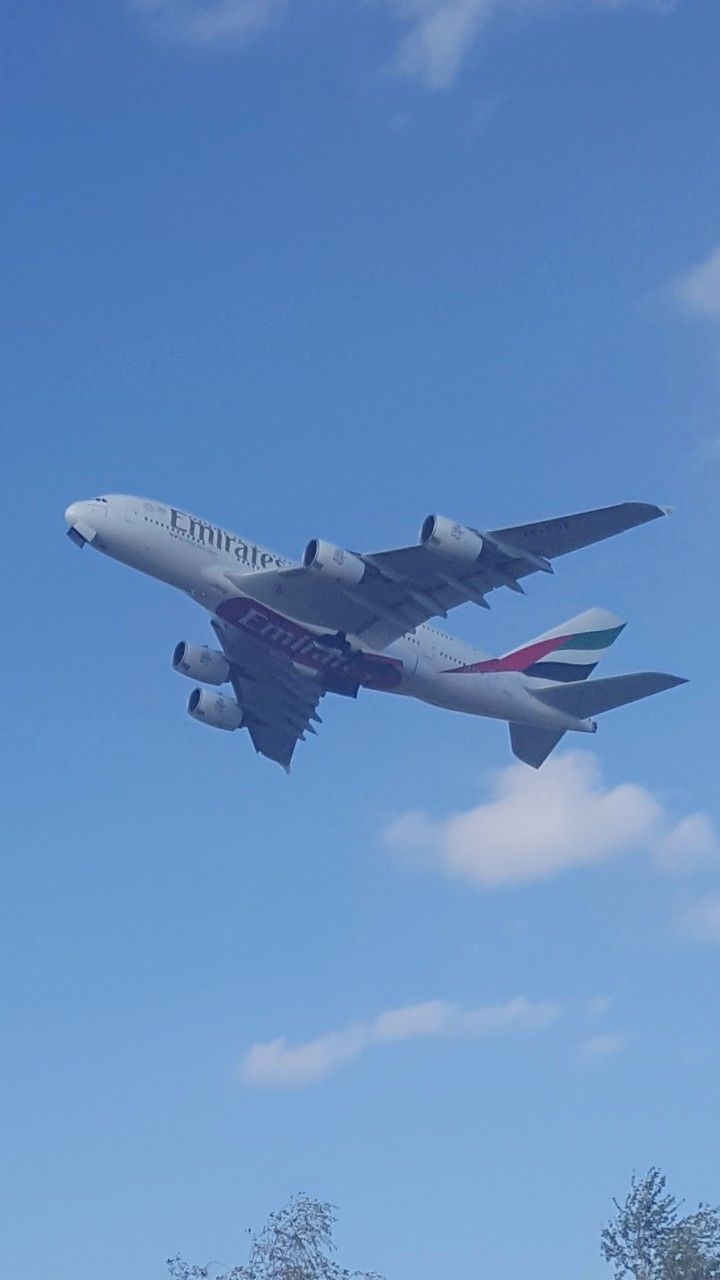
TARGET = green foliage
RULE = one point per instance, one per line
(295, 1244)
(649, 1240)
(694, 1249)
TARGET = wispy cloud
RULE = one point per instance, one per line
(607, 1044)
(700, 921)
(598, 1007)
(432, 38)
(211, 22)
(277, 1064)
(695, 294)
(697, 291)
(536, 824)
(439, 35)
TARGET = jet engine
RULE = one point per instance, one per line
(215, 709)
(335, 564)
(452, 542)
(200, 663)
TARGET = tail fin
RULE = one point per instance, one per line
(569, 652)
(533, 746)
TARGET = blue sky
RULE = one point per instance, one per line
(317, 269)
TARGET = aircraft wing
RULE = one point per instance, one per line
(401, 588)
(279, 703)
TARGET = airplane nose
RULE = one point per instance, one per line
(72, 513)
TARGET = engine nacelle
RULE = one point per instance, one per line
(215, 709)
(453, 542)
(335, 564)
(200, 663)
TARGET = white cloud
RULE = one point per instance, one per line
(701, 920)
(211, 22)
(537, 824)
(277, 1064)
(607, 1044)
(693, 841)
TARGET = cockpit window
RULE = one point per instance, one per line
(99, 499)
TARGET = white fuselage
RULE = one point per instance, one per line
(196, 556)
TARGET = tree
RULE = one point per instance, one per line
(694, 1249)
(649, 1240)
(295, 1244)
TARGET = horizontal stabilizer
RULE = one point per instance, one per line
(583, 699)
(533, 746)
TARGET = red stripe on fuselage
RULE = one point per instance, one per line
(517, 661)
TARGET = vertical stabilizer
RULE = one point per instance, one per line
(569, 652)
(533, 746)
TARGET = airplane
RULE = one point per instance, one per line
(341, 621)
